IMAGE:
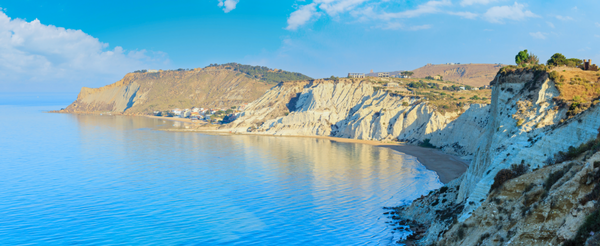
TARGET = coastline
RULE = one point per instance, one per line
(448, 167)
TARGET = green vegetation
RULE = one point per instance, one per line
(407, 73)
(263, 73)
(524, 58)
(427, 144)
(507, 174)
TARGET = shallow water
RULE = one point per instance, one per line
(113, 180)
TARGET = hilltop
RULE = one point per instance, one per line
(468, 74)
(143, 92)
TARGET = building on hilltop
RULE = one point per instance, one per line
(356, 75)
(587, 65)
(383, 75)
(152, 71)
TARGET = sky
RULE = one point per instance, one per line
(61, 47)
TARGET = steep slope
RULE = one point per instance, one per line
(468, 74)
(142, 93)
(354, 108)
(527, 123)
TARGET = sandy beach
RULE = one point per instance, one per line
(448, 167)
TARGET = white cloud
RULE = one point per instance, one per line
(334, 7)
(400, 26)
(430, 7)
(550, 24)
(515, 12)
(44, 54)
(564, 18)
(465, 14)
(471, 2)
(539, 35)
(228, 5)
(301, 16)
(597, 24)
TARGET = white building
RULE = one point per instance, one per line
(383, 75)
(356, 75)
(152, 71)
(392, 85)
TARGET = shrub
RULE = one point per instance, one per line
(501, 177)
(520, 169)
(554, 177)
(427, 144)
(520, 122)
(507, 174)
(553, 76)
(404, 104)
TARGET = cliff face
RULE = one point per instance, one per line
(354, 109)
(525, 124)
(145, 92)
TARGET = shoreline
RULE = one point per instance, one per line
(447, 167)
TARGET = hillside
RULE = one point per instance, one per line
(144, 92)
(468, 74)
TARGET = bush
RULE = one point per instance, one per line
(404, 104)
(427, 144)
(507, 174)
(501, 177)
(554, 177)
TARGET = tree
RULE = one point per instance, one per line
(522, 57)
(557, 59)
(407, 73)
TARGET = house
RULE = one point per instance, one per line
(403, 76)
(195, 110)
(462, 88)
(474, 89)
(152, 71)
(437, 77)
(176, 111)
(356, 75)
(392, 85)
(383, 75)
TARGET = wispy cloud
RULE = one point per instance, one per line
(464, 14)
(471, 2)
(400, 26)
(538, 35)
(550, 24)
(597, 24)
(564, 18)
(228, 5)
(301, 16)
(362, 10)
(32, 51)
(515, 12)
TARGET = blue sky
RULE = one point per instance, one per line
(60, 47)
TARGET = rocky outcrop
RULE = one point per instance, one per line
(350, 108)
(525, 124)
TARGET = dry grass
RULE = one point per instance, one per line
(443, 100)
(576, 85)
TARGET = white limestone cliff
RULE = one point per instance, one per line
(354, 109)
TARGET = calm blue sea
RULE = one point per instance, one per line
(116, 180)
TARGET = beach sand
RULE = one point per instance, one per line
(448, 167)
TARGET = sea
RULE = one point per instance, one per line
(69, 179)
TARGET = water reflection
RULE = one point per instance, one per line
(119, 183)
